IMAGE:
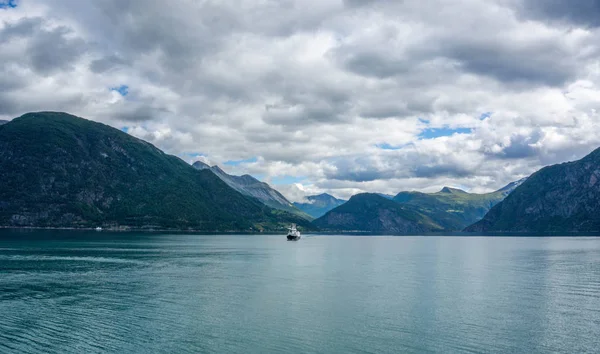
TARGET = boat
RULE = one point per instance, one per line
(98, 228)
(293, 234)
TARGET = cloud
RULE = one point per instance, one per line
(519, 145)
(582, 12)
(101, 65)
(358, 3)
(349, 95)
(47, 50)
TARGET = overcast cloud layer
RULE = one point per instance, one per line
(321, 95)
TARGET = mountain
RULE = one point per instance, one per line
(3, 121)
(506, 190)
(558, 198)
(374, 213)
(452, 208)
(58, 170)
(317, 205)
(250, 186)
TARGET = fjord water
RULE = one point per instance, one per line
(138, 293)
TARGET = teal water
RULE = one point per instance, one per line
(67, 292)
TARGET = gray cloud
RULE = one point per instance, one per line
(521, 146)
(140, 113)
(363, 3)
(361, 169)
(107, 63)
(48, 50)
(540, 62)
(407, 162)
(440, 170)
(23, 28)
(10, 81)
(51, 51)
(380, 65)
(8, 107)
(581, 12)
(490, 50)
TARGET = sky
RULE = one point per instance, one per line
(312, 96)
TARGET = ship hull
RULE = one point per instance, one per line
(293, 238)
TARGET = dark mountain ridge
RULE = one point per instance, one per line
(371, 212)
(58, 170)
(557, 198)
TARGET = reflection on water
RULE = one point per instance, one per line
(100, 292)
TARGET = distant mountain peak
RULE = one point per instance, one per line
(200, 165)
(374, 213)
(250, 186)
(318, 205)
(451, 190)
(512, 185)
(360, 196)
(452, 208)
(321, 195)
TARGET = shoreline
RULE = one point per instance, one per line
(319, 232)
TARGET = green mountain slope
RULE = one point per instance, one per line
(58, 170)
(374, 213)
(558, 198)
(452, 208)
(250, 186)
(317, 205)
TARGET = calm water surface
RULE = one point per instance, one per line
(67, 292)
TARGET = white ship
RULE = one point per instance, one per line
(293, 233)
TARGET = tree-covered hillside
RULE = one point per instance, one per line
(58, 170)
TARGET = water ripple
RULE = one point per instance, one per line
(190, 294)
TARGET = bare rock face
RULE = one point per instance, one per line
(558, 198)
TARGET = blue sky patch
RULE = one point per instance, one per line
(286, 179)
(485, 115)
(432, 133)
(8, 4)
(386, 146)
(125, 129)
(192, 154)
(123, 90)
(238, 162)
